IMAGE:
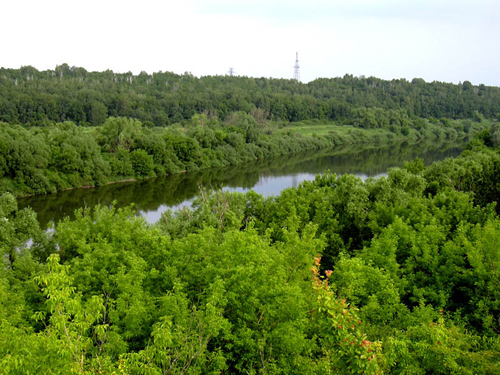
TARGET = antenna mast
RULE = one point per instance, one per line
(296, 68)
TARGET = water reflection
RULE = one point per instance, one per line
(266, 177)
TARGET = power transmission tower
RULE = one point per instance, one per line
(231, 72)
(296, 68)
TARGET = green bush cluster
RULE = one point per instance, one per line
(398, 275)
(41, 160)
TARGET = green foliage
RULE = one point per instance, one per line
(180, 338)
(405, 278)
(142, 163)
(338, 327)
(476, 172)
(437, 346)
(33, 97)
(119, 133)
(495, 135)
(212, 121)
(40, 161)
(482, 249)
(416, 166)
(369, 288)
(64, 156)
(72, 323)
(16, 227)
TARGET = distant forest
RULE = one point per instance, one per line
(29, 96)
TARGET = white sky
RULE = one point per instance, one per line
(441, 40)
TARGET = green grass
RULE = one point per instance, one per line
(342, 134)
(352, 134)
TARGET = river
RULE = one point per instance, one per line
(151, 197)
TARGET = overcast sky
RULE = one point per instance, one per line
(441, 40)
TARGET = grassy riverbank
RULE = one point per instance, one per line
(64, 156)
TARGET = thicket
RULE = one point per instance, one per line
(39, 160)
(395, 275)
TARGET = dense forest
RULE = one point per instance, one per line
(29, 96)
(396, 275)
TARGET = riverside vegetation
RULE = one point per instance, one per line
(69, 128)
(267, 176)
(395, 275)
(49, 159)
(398, 275)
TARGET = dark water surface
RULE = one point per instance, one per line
(267, 177)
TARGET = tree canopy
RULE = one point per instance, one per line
(397, 275)
(29, 96)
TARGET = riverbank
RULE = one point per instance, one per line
(48, 160)
(151, 197)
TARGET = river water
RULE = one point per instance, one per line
(267, 177)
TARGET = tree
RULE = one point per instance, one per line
(16, 228)
(73, 324)
(98, 113)
(119, 133)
